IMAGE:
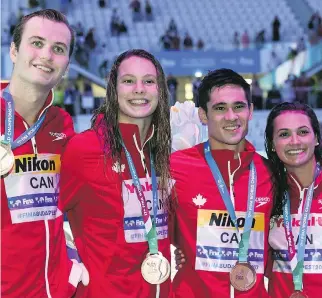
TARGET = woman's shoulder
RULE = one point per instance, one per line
(85, 142)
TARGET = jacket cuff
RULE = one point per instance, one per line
(75, 274)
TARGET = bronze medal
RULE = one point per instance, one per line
(243, 276)
(299, 294)
(155, 268)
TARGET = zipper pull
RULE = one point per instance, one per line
(301, 201)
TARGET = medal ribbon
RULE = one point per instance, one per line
(297, 260)
(244, 243)
(10, 121)
(149, 224)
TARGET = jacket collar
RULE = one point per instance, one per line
(131, 136)
(129, 132)
(298, 192)
(228, 164)
(296, 186)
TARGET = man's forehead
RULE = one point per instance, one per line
(227, 94)
(47, 29)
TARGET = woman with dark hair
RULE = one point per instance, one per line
(292, 141)
(116, 182)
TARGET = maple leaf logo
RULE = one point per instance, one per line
(117, 168)
(320, 202)
(199, 200)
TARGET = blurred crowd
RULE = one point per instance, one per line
(81, 100)
(171, 39)
(315, 28)
(244, 40)
(302, 89)
(138, 14)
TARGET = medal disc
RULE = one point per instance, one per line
(7, 159)
(299, 294)
(155, 268)
(243, 276)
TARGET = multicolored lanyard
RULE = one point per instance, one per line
(297, 260)
(150, 225)
(244, 243)
(10, 121)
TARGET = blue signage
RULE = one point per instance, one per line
(186, 63)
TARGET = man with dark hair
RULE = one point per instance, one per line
(222, 187)
(34, 260)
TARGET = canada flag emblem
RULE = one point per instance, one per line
(118, 168)
(320, 202)
(199, 200)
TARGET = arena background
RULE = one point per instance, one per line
(275, 44)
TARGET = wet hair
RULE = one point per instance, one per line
(108, 124)
(49, 14)
(219, 78)
(279, 175)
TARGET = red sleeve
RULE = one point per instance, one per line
(72, 181)
(269, 264)
(172, 226)
(68, 128)
(70, 187)
(63, 273)
(71, 178)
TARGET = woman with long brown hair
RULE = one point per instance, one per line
(116, 181)
(293, 146)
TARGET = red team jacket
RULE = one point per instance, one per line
(202, 227)
(105, 215)
(281, 281)
(34, 260)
